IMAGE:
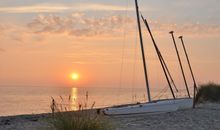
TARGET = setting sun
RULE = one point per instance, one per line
(75, 76)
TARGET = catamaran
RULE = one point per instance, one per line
(152, 106)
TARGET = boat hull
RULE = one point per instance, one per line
(152, 107)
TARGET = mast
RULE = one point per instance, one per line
(165, 65)
(142, 50)
(190, 67)
(162, 62)
(184, 77)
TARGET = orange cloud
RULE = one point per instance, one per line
(2, 50)
(186, 28)
(79, 25)
(2, 28)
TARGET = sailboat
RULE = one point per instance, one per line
(152, 106)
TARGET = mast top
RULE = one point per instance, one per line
(171, 32)
(180, 37)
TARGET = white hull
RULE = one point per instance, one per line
(169, 105)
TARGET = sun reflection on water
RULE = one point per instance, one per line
(74, 98)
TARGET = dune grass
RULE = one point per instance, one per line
(208, 92)
(82, 119)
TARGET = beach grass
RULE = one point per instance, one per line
(82, 119)
(208, 92)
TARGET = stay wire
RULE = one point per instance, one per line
(135, 62)
(123, 51)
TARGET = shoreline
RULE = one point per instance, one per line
(204, 116)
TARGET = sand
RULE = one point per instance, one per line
(204, 117)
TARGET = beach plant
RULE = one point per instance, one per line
(63, 118)
(208, 92)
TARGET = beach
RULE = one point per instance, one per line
(203, 117)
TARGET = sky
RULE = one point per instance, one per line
(43, 42)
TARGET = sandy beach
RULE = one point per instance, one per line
(204, 117)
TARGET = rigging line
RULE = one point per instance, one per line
(159, 56)
(135, 62)
(123, 50)
(165, 65)
(161, 93)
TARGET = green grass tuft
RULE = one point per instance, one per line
(208, 92)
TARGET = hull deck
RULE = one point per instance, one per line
(167, 105)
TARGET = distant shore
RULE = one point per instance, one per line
(205, 116)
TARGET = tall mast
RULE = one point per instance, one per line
(162, 62)
(142, 50)
(181, 38)
(195, 86)
(181, 66)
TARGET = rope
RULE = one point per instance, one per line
(123, 52)
(134, 66)
(161, 93)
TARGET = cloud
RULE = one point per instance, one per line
(94, 56)
(103, 7)
(33, 9)
(186, 28)
(79, 25)
(12, 32)
(2, 28)
(17, 34)
(2, 50)
(196, 28)
(50, 8)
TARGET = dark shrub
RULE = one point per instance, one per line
(208, 92)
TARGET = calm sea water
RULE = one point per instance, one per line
(34, 100)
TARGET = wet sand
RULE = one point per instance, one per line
(204, 117)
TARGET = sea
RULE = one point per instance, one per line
(36, 100)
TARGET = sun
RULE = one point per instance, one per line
(75, 76)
